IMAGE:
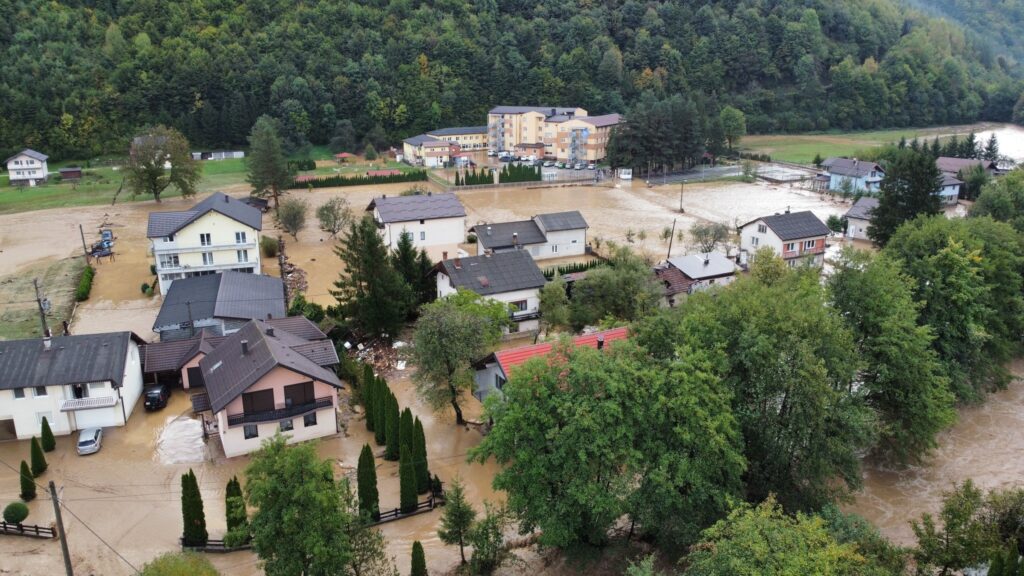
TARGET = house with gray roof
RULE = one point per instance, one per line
(855, 175)
(264, 379)
(218, 303)
(436, 222)
(858, 217)
(219, 234)
(426, 150)
(957, 166)
(684, 275)
(510, 277)
(544, 236)
(27, 168)
(795, 236)
(76, 382)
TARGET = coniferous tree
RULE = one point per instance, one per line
(909, 189)
(393, 437)
(457, 519)
(991, 151)
(407, 481)
(419, 455)
(381, 403)
(28, 486)
(406, 430)
(38, 460)
(192, 514)
(367, 388)
(234, 505)
(366, 477)
(268, 169)
(419, 561)
(49, 442)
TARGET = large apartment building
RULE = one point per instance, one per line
(567, 134)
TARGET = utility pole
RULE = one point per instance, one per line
(670, 239)
(85, 249)
(191, 325)
(60, 530)
(42, 313)
(681, 184)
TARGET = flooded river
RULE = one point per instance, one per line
(1010, 138)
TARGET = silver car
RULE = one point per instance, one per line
(89, 441)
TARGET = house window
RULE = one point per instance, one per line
(41, 415)
(554, 247)
(309, 420)
(790, 246)
(169, 238)
(19, 392)
(251, 431)
(169, 261)
(239, 237)
(204, 239)
(298, 394)
(753, 240)
(259, 401)
(207, 258)
(761, 228)
(287, 425)
(40, 391)
(518, 306)
(809, 244)
(423, 236)
(243, 255)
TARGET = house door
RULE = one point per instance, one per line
(261, 401)
(7, 431)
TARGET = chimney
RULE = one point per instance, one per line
(600, 341)
(46, 343)
(488, 230)
(553, 111)
(515, 238)
(226, 199)
(430, 193)
(707, 258)
(787, 209)
(270, 331)
(444, 255)
(269, 315)
(458, 263)
(245, 347)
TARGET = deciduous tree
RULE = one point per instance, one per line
(334, 215)
(734, 124)
(707, 236)
(291, 215)
(964, 539)
(161, 158)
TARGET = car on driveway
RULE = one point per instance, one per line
(90, 441)
(157, 396)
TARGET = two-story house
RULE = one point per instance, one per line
(220, 233)
(795, 236)
(27, 167)
(76, 382)
(949, 189)
(685, 275)
(858, 217)
(957, 166)
(219, 303)
(509, 277)
(426, 150)
(264, 379)
(436, 222)
(854, 175)
(543, 236)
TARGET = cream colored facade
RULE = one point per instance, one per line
(468, 138)
(580, 139)
(212, 243)
(509, 126)
(568, 134)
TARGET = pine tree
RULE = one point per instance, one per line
(419, 561)
(192, 514)
(380, 411)
(49, 442)
(38, 460)
(366, 479)
(393, 428)
(367, 387)
(28, 486)
(457, 519)
(268, 169)
(457, 183)
(419, 455)
(991, 152)
(407, 481)
(406, 430)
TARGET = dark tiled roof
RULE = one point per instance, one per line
(862, 208)
(851, 167)
(499, 234)
(604, 120)
(200, 402)
(561, 221)
(954, 165)
(794, 225)
(950, 180)
(166, 356)
(72, 359)
(224, 295)
(228, 372)
(31, 154)
(458, 131)
(417, 207)
(299, 326)
(494, 274)
(546, 110)
(167, 223)
(673, 279)
(423, 139)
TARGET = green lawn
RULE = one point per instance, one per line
(803, 147)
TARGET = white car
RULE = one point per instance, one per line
(90, 441)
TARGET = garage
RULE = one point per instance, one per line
(7, 431)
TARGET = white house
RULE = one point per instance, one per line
(858, 218)
(27, 167)
(949, 189)
(543, 236)
(860, 175)
(426, 150)
(76, 382)
(436, 222)
(218, 303)
(509, 277)
(693, 273)
(220, 233)
(795, 236)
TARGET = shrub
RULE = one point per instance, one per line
(338, 180)
(144, 287)
(518, 173)
(15, 513)
(38, 460)
(419, 561)
(370, 153)
(152, 269)
(85, 284)
(178, 563)
(407, 481)
(28, 486)
(49, 442)
(291, 215)
(471, 239)
(268, 246)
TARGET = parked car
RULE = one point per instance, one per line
(491, 153)
(90, 441)
(549, 164)
(591, 166)
(505, 159)
(157, 397)
(560, 165)
(579, 166)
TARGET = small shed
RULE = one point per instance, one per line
(343, 157)
(71, 173)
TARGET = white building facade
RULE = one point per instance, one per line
(435, 222)
(27, 168)
(794, 236)
(509, 277)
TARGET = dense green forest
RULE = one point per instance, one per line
(80, 75)
(994, 24)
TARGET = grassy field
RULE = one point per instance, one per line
(19, 317)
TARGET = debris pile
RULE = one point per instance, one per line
(379, 354)
(294, 277)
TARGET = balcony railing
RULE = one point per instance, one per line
(165, 247)
(90, 403)
(520, 316)
(280, 413)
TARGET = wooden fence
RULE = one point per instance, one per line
(214, 545)
(436, 499)
(27, 530)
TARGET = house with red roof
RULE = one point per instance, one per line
(493, 370)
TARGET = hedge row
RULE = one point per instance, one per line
(332, 181)
(85, 284)
(551, 272)
(519, 173)
(473, 178)
(305, 164)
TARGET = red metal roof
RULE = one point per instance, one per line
(516, 356)
(344, 155)
(306, 177)
(383, 172)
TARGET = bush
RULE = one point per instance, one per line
(370, 153)
(304, 164)
(573, 268)
(268, 246)
(49, 442)
(339, 180)
(178, 563)
(519, 173)
(15, 513)
(291, 215)
(85, 284)
(152, 269)
(38, 460)
(471, 239)
(144, 287)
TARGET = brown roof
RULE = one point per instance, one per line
(954, 165)
(673, 279)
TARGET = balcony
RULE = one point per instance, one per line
(93, 402)
(280, 413)
(523, 315)
(172, 247)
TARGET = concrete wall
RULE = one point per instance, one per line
(187, 246)
(193, 363)
(857, 228)
(563, 243)
(485, 380)
(26, 411)
(865, 183)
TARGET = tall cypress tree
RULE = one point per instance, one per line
(406, 430)
(192, 514)
(419, 561)
(38, 460)
(49, 442)
(407, 481)
(419, 457)
(28, 486)
(367, 387)
(380, 411)
(393, 427)
(366, 480)
(234, 505)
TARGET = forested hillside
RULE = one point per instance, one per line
(996, 25)
(79, 75)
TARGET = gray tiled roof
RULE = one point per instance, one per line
(700, 266)
(224, 295)
(417, 207)
(459, 130)
(499, 234)
(794, 225)
(862, 208)
(546, 110)
(299, 326)
(228, 372)
(604, 120)
(167, 223)
(851, 167)
(72, 359)
(421, 139)
(954, 165)
(31, 154)
(557, 221)
(950, 180)
(494, 274)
